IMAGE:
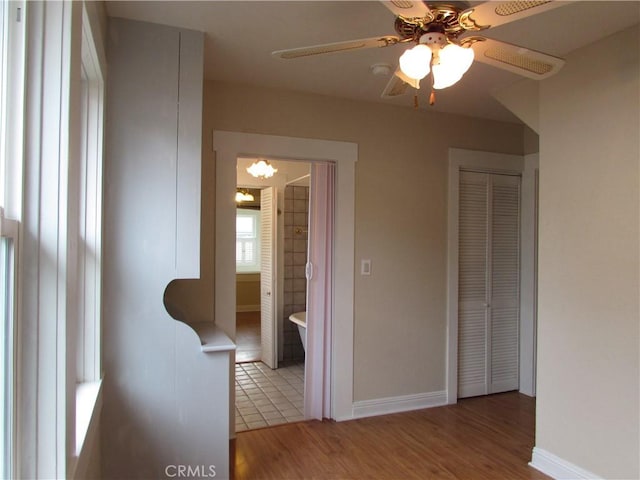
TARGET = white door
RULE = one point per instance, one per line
(488, 283)
(268, 276)
(317, 392)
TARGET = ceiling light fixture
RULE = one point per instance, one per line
(415, 63)
(262, 169)
(242, 196)
(447, 61)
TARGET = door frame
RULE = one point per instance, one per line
(486, 162)
(228, 146)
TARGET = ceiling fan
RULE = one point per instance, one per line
(437, 29)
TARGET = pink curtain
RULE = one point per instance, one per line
(319, 291)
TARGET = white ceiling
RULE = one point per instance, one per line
(241, 35)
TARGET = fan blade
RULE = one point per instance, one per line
(516, 59)
(407, 8)
(398, 85)
(491, 14)
(394, 88)
(337, 47)
(412, 82)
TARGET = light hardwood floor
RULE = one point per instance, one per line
(481, 438)
(248, 347)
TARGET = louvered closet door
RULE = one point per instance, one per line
(488, 283)
(504, 304)
(268, 324)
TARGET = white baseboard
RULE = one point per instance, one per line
(404, 403)
(247, 308)
(557, 468)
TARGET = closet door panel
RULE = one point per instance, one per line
(472, 285)
(472, 353)
(488, 283)
(504, 350)
(268, 276)
(504, 282)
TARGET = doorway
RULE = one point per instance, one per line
(228, 147)
(272, 225)
(248, 338)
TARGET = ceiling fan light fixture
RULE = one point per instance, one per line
(453, 63)
(262, 169)
(443, 77)
(415, 62)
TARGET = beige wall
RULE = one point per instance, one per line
(588, 375)
(400, 314)
(531, 141)
(247, 292)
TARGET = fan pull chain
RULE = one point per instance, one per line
(432, 96)
(415, 99)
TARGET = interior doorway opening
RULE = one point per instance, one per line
(248, 340)
(272, 226)
(228, 146)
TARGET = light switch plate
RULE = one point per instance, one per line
(365, 267)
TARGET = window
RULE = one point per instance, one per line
(88, 367)
(247, 240)
(11, 60)
(8, 233)
(89, 313)
(52, 163)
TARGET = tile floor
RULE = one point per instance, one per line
(266, 397)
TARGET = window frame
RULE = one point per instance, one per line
(9, 230)
(88, 335)
(52, 410)
(88, 348)
(12, 75)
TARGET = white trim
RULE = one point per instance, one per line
(528, 277)
(558, 468)
(403, 403)
(482, 161)
(228, 146)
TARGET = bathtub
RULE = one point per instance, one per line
(300, 319)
